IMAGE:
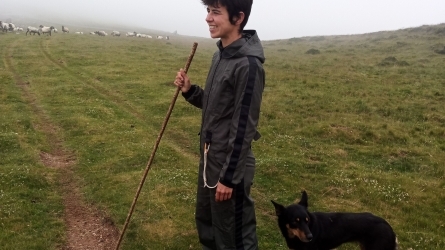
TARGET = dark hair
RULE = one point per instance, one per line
(234, 7)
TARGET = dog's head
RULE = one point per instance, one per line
(294, 220)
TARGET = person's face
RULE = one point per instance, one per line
(219, 24)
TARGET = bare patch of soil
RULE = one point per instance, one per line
(87, 227)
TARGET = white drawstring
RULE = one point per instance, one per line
(206, 150)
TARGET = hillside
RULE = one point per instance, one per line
(355, 120)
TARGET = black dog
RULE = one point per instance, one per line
(324, 231)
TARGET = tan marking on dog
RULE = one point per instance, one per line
(289, 232)
(296, 232)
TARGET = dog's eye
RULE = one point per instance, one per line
(307, 219)
(298, 219)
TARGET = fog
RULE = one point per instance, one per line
(273, 19)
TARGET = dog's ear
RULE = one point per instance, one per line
(279, 209)
(303, 200)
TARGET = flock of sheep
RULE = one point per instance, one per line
(41, 30)
(5, 27)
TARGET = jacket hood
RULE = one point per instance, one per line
(248, 45)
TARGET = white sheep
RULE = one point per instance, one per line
(79, 33)
(4, 26)
(92, 33)
(32, 30)
(115, 33)
(11, 27)
(55, 30)
(131, 34)
(47, 30)
(101, 33)
(65, 29)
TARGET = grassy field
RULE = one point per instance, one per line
(357, 121)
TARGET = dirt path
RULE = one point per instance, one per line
(87, 227)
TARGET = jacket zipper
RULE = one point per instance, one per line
(210, 91)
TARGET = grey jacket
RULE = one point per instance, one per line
(230, 106)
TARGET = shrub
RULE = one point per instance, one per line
(392, 61)
(313, 52)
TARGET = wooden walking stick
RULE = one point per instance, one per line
(147, 168)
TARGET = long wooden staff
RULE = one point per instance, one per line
(147, 168)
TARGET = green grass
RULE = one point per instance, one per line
(30, 206)
(357, 132)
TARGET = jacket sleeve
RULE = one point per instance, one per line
(249, 86)
(194, 96)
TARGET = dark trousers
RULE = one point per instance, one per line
(230, 224)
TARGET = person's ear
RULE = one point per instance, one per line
(240, 18)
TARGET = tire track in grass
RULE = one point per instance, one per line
(87, 227)
(116, 99)
(103, 92)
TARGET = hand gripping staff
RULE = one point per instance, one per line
(147, 168)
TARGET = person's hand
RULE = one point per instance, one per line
(182, 81)
(223, 193)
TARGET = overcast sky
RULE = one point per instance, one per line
(273, 19)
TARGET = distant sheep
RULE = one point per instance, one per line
(144, 36)
(101, 33)
(32, 30)
(46, 30)
(163, 37)
(79, 32)
(65, 29)
(55, 30)
(131, 34)
(4, 26)
(115, 33)
(11, 27)
(92, 33)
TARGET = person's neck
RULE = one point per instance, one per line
(229, 40)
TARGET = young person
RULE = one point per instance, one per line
(230, 103)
